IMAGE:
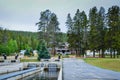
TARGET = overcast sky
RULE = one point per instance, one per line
(23, 14)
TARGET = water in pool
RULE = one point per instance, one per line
(45, 75)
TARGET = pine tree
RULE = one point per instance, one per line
(93, 33)
(84, 32)
(80, 31)
(77, 32)
(113, 28)
(1, 34)
(27, 52)
(42, 51)
(53, 29)
(43, 24)
(101, 31)
(69, 24)
(49, 27)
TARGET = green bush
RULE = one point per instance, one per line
(27, 53)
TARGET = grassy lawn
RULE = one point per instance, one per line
(106, 63)
(29, 59)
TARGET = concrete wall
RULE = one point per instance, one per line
(15, 67)
(24, 75)
(60, 73)
(20, 66)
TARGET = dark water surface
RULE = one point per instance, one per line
(43, 76)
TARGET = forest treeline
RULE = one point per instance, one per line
(98, 32)
(12, 42)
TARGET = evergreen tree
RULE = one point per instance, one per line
(53, 29)
(12, 46)
(93, 33)
(80, 31)
(42, 51)
(84, 32)
(48, 26)
(69, 24)
(1, 34)
(27, 52)
(113, 28)
(101, 30)
(77, 32)
(43, 24)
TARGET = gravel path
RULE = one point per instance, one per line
(77, 69)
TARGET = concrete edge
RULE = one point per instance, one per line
(60, 76)
(21, 75)
(24, 75)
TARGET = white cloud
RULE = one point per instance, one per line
(23, 14)
(18, 27)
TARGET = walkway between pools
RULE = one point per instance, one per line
(77, 69)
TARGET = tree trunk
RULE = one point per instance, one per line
(114, 54)
(103, 55)
(99, 51)
(76, 52)
(93, 53)
(117, 54)
(80, 52)
(53, 51)
(110, 53)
